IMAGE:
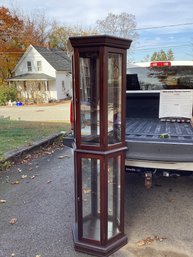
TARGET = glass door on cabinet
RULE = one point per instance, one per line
(89, 98)
(114, 98)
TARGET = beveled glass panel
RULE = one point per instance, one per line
(89, 98)
(114, 195)
(114, 97)
(91, 198)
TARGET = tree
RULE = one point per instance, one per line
(146, 58)
(58, 38)
(11, 29)
(37, 26)
(40, 26)
(162, 56)
(122, 25)
(154, 56)
(31, 34)
(17, 32)
(170, 55)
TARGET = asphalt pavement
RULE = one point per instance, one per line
(39, 201)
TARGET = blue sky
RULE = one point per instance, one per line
(149, 14)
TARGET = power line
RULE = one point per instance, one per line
(156, 27)
(169, 46)
(166, 26)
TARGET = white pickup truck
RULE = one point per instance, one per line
(154, 145)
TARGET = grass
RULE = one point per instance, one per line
(15, 134)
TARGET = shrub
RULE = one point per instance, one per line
(7, 93)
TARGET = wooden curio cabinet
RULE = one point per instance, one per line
(99, 74)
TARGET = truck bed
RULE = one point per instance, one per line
(144, 138)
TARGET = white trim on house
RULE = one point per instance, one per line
(54, 84)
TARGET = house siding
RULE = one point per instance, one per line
(58, 86)
(33, 56)
(63, 85)
(52, 90)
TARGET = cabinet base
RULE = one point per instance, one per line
(98, 250)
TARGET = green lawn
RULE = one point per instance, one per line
(15, 134)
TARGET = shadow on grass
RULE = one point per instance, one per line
(15, 134)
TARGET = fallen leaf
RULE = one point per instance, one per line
(49, 153)
(171, 200)
(160, 239)
(35, 175)
(2, 201)
(19, 170)
(146, 241)
(150, 240)
(13, 221)
(13, 254)
(63, 156)
(49, 181)
(38, 255)
(24, 176)
(24, 161)
(86, 191)
(15, 182)
(141, 243)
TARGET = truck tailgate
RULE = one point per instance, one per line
(144, 138)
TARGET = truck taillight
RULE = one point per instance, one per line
(71, 115)
(160, 64)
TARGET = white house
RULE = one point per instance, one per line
(43, 74)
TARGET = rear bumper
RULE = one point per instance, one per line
(178, 166)
(159, 151)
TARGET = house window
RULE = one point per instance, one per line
(39, 65)
(63, 85)
(29, 67)
(39, 86)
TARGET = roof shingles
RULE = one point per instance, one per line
(57, 58)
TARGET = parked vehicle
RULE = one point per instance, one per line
(162, 146)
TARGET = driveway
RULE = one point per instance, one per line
(50, 112)
(158, 222)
